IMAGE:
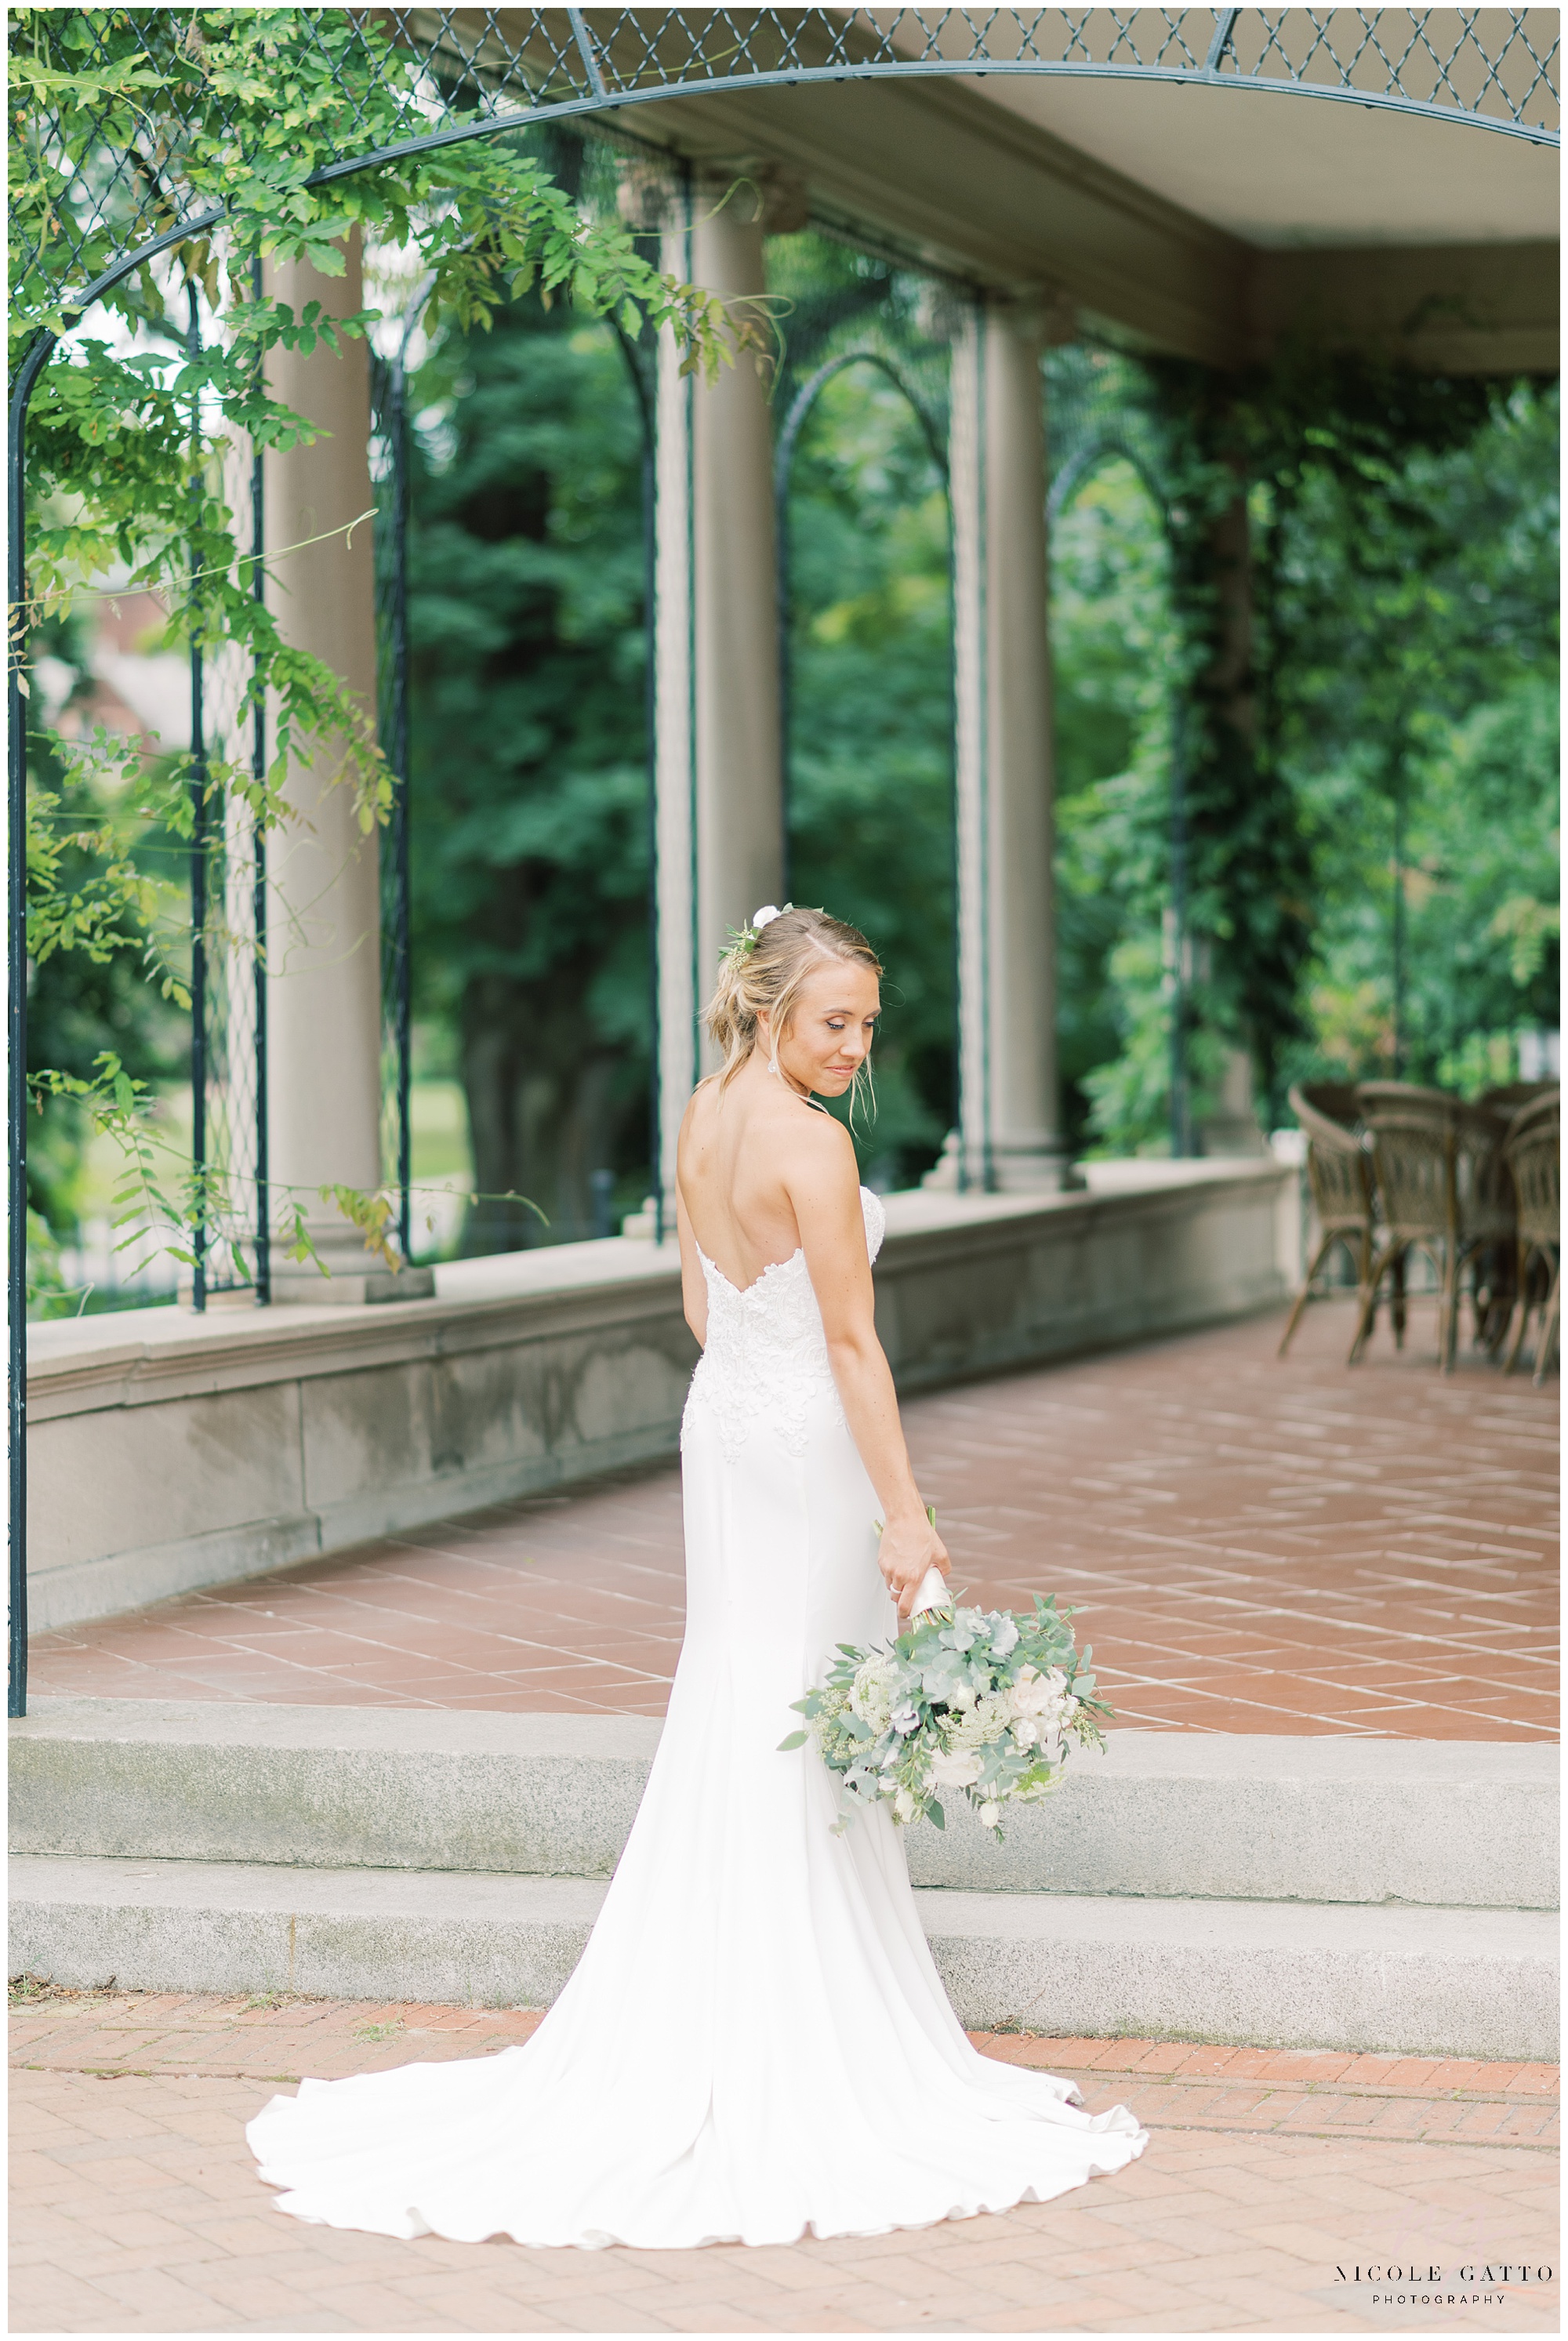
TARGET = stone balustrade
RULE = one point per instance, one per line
(167, 1452)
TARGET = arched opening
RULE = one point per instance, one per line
(865, 662)
(528, 724)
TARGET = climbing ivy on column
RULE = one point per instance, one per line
(1259, 435)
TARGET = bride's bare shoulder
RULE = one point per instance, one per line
(702, 1110)
(815, 1148)
(771, 1126)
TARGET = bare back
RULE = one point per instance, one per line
(762, 1174)
(737, 1152)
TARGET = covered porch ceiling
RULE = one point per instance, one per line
(1203, 222)
(1199, 181)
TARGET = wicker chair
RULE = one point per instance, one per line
(1545, 1106)
(1398, 1094)
(1509, 1096)
(1485, 1222)
(1444, 1188)
(1410, 1134)
(1533, 1148)
(1340, 1175)
(1340, 1100)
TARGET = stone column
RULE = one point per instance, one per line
(324, 927)
(720, 820)
(1009, 1138)
(739, 794)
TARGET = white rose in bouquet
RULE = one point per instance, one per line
(955, 1768)
(1040, 1698)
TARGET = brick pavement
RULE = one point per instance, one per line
(1252, 1546)
(136, 2207)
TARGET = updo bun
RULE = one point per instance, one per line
(767, 975)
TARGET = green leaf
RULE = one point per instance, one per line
(795, 1739)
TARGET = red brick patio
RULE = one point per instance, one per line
(136, 2207)
(1251, 1547)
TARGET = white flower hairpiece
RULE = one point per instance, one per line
(744, 938)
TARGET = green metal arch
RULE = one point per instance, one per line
(597, 81)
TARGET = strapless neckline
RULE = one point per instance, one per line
(741, 1291)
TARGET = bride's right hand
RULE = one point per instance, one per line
(909, 1548)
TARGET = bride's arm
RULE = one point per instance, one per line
(694, 1283)
(824, 1190)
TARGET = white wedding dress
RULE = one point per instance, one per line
(756, 2045)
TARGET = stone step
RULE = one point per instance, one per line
(1421, 1982)
(1182, 1814)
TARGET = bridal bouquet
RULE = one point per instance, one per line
(980, 1701)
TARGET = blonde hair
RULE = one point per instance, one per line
(766, 971)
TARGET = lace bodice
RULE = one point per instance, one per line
(765, 1360)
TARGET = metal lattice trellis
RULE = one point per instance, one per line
(389, 470)
(456, 73)
(151, 182)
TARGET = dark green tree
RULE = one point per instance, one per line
(530, 794)
(529, 750)
(95, 999)
(1418, 722)
(871, 800)
(1114, 653)
(869, 734)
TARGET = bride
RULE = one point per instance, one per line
(756, 2045)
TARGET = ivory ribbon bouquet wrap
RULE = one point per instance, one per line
(983, 1703)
